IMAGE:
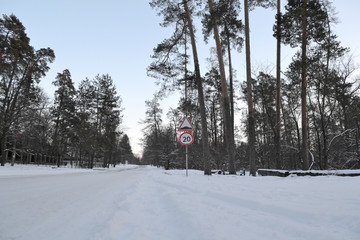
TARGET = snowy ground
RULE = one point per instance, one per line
(137, 203)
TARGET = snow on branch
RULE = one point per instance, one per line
(339, 135)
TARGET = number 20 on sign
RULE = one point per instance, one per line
(186, 138)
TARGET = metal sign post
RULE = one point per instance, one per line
(186, 159)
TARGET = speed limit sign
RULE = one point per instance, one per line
(186, 138)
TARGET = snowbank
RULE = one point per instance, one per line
(36, 170)
(285, 173)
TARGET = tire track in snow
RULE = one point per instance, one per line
(152, 202)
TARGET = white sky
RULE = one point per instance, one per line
(117, 38)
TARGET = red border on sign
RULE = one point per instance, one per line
(192, 138)
(192, 127)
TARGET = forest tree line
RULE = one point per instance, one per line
(306, 116)
(80, 127)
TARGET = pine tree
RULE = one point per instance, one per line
(85, 114)
(127, 155)
(226, 13)
(152, 131)
(251, 116)
(63, 112)
(229, 133)
(251, 113)
(21, 68)
(181, 15)
(108, 116)
(278, 88)
(199, 84)
(304, 21)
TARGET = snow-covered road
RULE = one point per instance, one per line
(150, 203)
(62, 206)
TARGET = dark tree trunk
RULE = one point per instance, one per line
(304, 120)
(278, 87)
(251, 116)
(226, 100)
(204, 133)
(3, 148)
(231, 89)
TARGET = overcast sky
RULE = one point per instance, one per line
(116, 37)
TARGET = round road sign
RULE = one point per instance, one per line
(186, 138)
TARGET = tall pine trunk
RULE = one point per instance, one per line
(324, 163)
(304, 122)
(251, 115)
(204, 133)
(231, 88)
(278, 87)
(3, 140)
(225, 96)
